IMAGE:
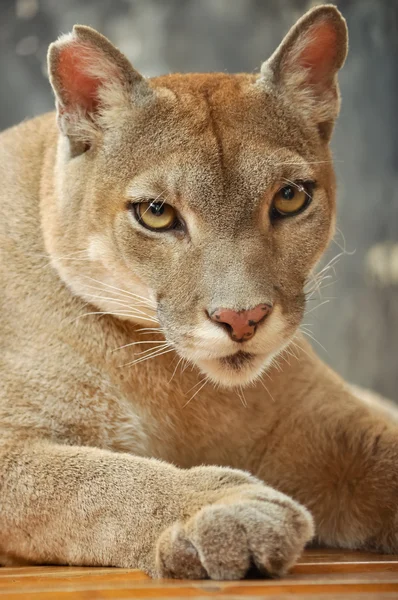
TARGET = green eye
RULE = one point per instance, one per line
(157, 216)
(292, 199)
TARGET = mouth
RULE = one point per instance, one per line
(237, 361)
(240, 368)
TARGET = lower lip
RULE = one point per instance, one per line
(238, 360)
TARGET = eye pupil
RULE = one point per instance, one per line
(157, 208)
(288, 192)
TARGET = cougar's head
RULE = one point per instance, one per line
(199, 203)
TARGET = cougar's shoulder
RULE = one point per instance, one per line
(22, 152)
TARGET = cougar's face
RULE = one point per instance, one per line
(200, 202)
(214, 225)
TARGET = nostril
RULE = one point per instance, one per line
(257, 314)
(216, 317)
(229, 329)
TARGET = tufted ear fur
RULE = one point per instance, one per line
(305, 65)
(92, 80)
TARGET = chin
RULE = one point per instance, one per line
(235, 370)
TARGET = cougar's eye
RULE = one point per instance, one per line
(156, 215)
(292, 199)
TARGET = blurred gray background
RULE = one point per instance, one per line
(358, 326)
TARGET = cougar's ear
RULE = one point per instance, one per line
(91, 79)
(305, 65)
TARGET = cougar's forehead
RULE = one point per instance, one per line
(216, 144)
(233, 108)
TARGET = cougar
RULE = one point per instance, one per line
(159, 406)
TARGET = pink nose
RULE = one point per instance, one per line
(241, 325)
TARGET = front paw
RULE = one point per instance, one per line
(252, 525)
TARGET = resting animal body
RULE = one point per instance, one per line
(159, 408)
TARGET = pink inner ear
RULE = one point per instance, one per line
(319, 52)
(80, 87)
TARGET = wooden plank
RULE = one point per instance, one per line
(319, 574)
(123, 586)
(69, 572)
(314, 592)
(341, 556)
(318, 568)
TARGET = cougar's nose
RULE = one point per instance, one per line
(241, 325)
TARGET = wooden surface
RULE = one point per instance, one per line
(326, 574)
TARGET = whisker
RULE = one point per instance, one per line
(267, 390)
(275, 364)
(126, 292)
(175, 370)
(242, 396)
(156, 353)
(317, 281)
(197, 391)
(307, 312)
(136, 343)
(298, 186)
(320, 288)
(319, 277)
(123, 298)
(123, 295)
(194, 386)
(343, 248)
(52, 259)
(325, 298)
(149, 350)
(158, 330)
(332, 261)
(117, 299)
(185, 365)
(300, 348)
(57, 258)
(154, 200)
(120, 303)
(289, 350)
(285, 355)
(114, 314)
(304, 163)
(46, 255)
(312, 337)
(148, 355)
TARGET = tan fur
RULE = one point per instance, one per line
(108, 463)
